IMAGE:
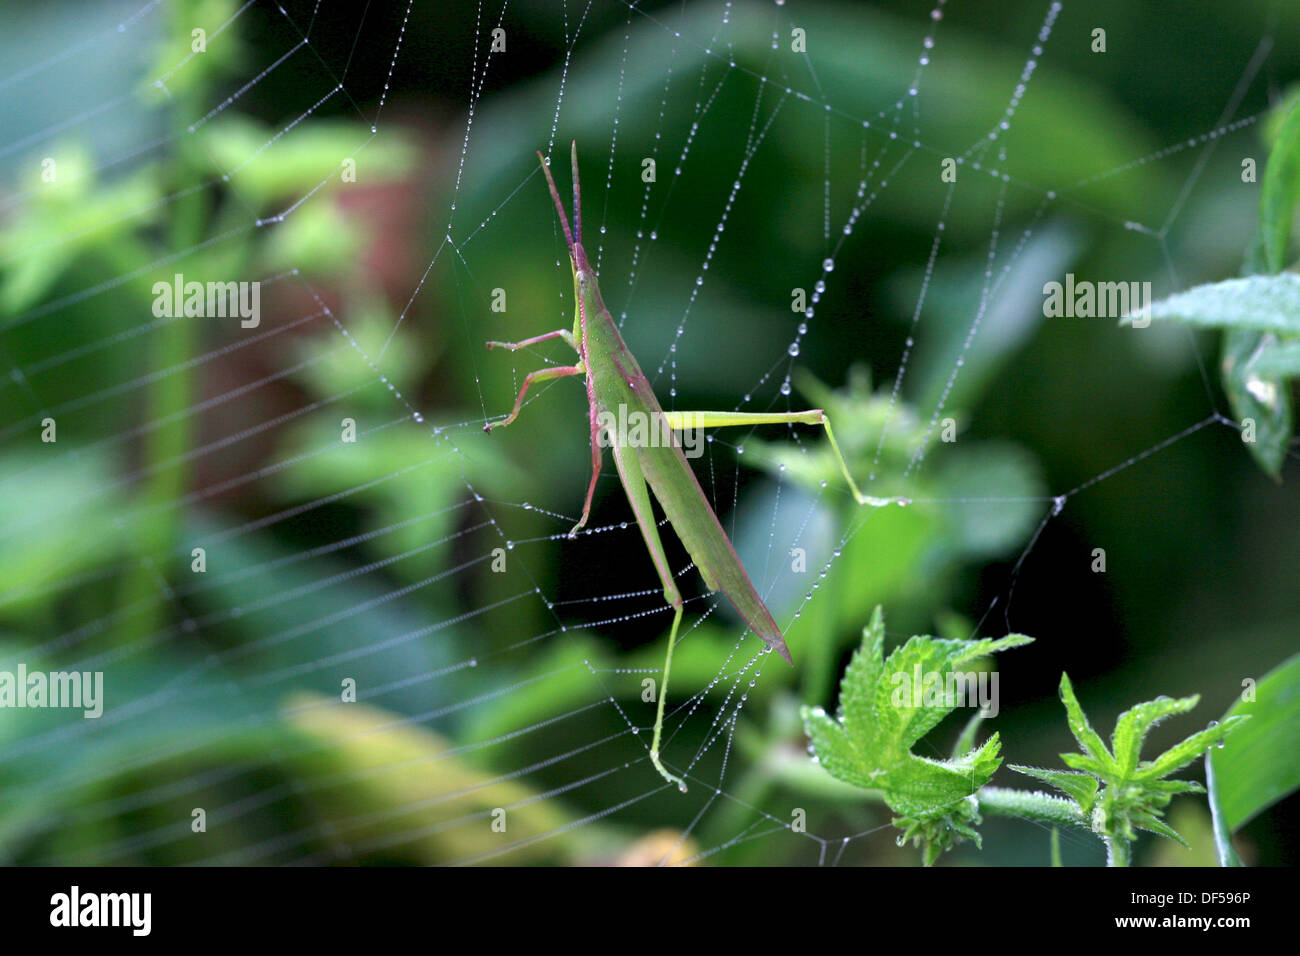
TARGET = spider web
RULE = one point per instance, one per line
(499, 668)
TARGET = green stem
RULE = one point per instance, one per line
(1118, 851)
(1005, 802)
(157, 534)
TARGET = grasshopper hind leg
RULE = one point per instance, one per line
(663, 696)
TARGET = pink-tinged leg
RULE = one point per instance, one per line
(541, 375)
(595, 472)
(512, 346)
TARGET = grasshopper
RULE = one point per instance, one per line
(618, 389)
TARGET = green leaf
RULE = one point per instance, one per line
(1032, 805)
(1127, 795)
(1264, 400)
(1222, 835)
(1180, 755)
(906, 705)
(1255, 392)
(1087, 737)
(980, 764)
(918, 785)
(1080, 787)
(1174, 786)
(882, 714)
(921, 786)
(1148, 821)
(834, 751)
(1257, 309)
(1084, 762)
(1132, 727)
(1260, 763)
(1280, 191)
(1259, 303)
(860, 677)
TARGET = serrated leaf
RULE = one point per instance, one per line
(989, 646)
(900, 693)
(1181, 754)
(1174, 786)
(1132, 726)
(920, 785)
(857, 689)
(1080, 787)
(1084, 762)
(911, 693)
(834, 750)
(1126, 794)
(1088, 738)
(1147, 821)
(868, 745)
(980, 764)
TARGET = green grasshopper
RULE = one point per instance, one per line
(616, 383)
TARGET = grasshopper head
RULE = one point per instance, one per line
(572, 238)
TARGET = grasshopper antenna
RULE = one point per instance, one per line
(577, 197)
(555, 196)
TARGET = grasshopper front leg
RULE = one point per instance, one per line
(593, 416)
(541, 375)
(545, 337)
